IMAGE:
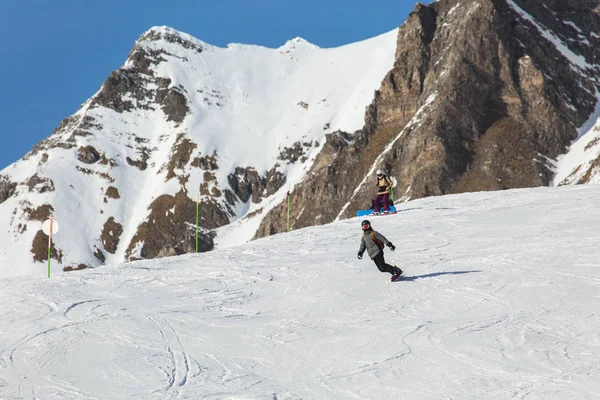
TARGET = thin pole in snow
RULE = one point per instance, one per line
(197, 215)
(288, 211)
(50, 227)
(49, 245)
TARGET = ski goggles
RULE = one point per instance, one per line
(366, 226)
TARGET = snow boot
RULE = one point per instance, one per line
(397, 273)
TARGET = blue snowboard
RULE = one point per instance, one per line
(362, 213)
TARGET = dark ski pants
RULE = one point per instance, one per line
(382, 198)
(381, 264)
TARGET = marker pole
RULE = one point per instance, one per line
(197, 215)
(288, 213)
(49, 245)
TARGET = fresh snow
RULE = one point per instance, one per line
(245, 104)
(500, 300)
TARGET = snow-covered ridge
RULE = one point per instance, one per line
(160, 33)
(166, 33)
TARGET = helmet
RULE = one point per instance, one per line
(379, 172)
(366, 225)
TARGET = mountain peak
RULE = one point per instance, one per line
(171, 35)
(298, 43)
(181, 128)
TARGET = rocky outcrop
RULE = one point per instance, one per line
(173, 100)
(112, 193)
(180, 155)
(7, 188)
(247, 184)
(127, 88)
(482, 94)
(172, 36)
(88, 155)
(207, 163)
(39, 248)
(111, 235)
(295, 153)
(40, 184)
(42, 213)
(170, 227)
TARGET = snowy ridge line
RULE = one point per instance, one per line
(163, 29)
(414, 120)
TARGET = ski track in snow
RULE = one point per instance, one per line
(499, 301)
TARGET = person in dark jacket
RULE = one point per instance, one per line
(373, 242)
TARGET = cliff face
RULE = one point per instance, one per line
(483, 95)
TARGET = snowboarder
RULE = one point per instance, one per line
(374, 242)
(383, 192)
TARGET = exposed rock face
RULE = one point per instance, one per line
(88, 155)
(294, 153)
(207, 163)
(112, 193)
(180, 156)
(39, 248)
(40, 184)
(141, 162)
(7, 188)
(173, 100)
(247, 184)
(42, 213)
(111, 235)
(480, 98)
(170, 228)
(127, 88)
(155, 35)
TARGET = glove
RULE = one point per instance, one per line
(359, 255)
(391, 246)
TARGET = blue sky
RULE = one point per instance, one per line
(54, 55)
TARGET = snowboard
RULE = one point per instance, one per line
(396, 278)
(362, 213)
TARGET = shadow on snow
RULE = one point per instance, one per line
(434, 274)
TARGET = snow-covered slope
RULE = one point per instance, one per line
(182, 116)
(581, 163)
(500, 301)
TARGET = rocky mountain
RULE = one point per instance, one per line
(183, 124)
(483, 95)
(466, 95)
